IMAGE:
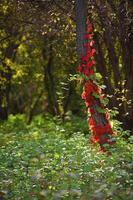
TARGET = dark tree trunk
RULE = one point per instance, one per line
(126, 41)
(6, 74)
(108, 38)
(81, 19)
(33, 107)
(50, 83)
(101, 65)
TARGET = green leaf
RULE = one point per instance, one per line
(100, 110)
(105, 101)
(96, 95)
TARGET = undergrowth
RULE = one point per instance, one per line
(52, 160)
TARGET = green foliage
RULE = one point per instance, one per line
(49, 159)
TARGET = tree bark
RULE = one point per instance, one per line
(50, 83)
(102, 66)
(33, 107)
(6, 74)
(126, 41)
(81, 17)
(108, 37)
(98, 118)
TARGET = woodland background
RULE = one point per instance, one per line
(39, 60)
(44, 148)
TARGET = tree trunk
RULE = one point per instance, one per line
(6, 75)
(97, 120)
(102, 66)
(108, 38)
(81, 17)
(126, 41)
(33, 107)
(50, 83)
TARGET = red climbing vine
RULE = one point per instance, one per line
(92, 94)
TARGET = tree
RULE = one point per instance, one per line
(98, 120)
(9, 43)
(113, 21)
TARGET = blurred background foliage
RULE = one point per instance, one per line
(38, 58)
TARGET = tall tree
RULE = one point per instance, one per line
(98, 120)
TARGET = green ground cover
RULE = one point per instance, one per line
(52, 160)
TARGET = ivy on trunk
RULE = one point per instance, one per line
(99, 118)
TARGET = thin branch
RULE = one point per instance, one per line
(5, 38)
(62, 9)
